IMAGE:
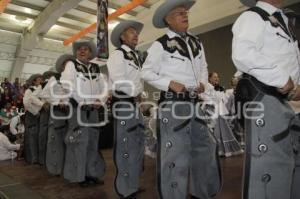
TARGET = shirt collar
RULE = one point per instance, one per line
(126, 48)
(172, 33)
(267, 7)
(82, 63)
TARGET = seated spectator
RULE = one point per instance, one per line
(17, 128)
(7, 149)
(7, 113)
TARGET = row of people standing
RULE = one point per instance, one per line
(176, 65)
(58, 134)
(267, 56)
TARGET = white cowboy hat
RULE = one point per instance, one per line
(164, 9)
(249, 3)
(89, 44)
(61, 61)
(33, 77)
(121, 27)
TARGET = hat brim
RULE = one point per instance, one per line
(61, 60)
(164, 9)
(249, 3)
(121, 27)
(48, 74)
(89, 44)
(33, 77)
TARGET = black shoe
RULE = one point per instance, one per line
(194, 197)
(140, 190)
(93, 180)
(132, 196)
(84, 184)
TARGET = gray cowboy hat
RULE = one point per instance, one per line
(249, 3)
(48, 74)
(121, 27)
(89, 44)
(61, 61)
(164, 9)
(32, 78)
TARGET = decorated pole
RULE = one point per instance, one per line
(102, 30)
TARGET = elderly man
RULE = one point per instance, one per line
(85, 85)
(54, 94)
(176, 65)
(124, 67)
(33, 106)
(268, 56)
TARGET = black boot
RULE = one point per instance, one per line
(93, 180)
(84, 184)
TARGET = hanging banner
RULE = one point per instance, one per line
(102, 30)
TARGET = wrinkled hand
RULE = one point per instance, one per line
(295, 96)
(177, 87)
(287, 88)
(200, 88)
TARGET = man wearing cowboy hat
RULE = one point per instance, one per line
(85, 85)
(32, 105)
(268, 58)
(54, 94)
(176, 65)
(124, 67)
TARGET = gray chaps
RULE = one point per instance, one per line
(269, 161)
(31, 138)
(43, 134)
(55, 157)
(187, 153)
(128, 149)
(82, 158)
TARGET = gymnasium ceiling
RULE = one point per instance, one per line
(20, 15)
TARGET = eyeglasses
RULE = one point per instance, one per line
(181, 13)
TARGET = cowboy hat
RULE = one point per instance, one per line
(164, 9)
(121, 27)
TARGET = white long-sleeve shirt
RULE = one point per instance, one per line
(125, 72)
(16, 126)
(85, 83)
(174, 58)
(6, 148)
(263, 51)
(53, 92)
(31, 101)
